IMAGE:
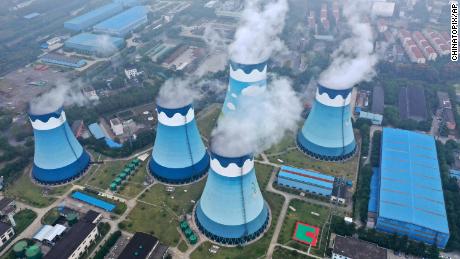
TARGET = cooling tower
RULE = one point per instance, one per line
(245, 79)
(179, 155)
(327, 133)
(58, 157)
(231, 209)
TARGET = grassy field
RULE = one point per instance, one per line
(106, 174)
(157, 220)
(23, 219)
(182, 246)
(50, 217)
(282, 253)
(207, 119)
(179, 201)
(135, 185)
(254, 250)
(287, 142)
(303, 214)
(24, 190)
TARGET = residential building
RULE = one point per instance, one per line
(6, 233)
(77, 240)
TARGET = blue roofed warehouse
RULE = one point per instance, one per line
(89, 19)
(305, 180)
(410, 198)
(94, 44)
(122, 24)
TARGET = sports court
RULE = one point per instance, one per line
(306, 234)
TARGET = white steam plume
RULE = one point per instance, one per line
(64, 93)
(260, 121)
(179, 92)
(355, 59)
(257, 35)
(105, 45)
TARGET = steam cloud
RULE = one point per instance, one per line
(64, 93)
(257, 35)
(179, 92)
(260, 121)
(355, 59)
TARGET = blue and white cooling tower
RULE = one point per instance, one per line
(328, 133)
(58, 156)
(179, 155)
(231, 209)
(245, 79)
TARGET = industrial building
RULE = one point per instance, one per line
(327, 133)
(306, 180)
(58, 156)
(231, 209)
(143, 246)
(409, 200)
(78, 239)
(122, 24)
(61, 60)
(89, 19)
(94, 44)
(412, 103)
(244, 79)
(179, 155)
(353, 248)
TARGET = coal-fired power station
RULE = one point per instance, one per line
(58, 157)
(245, 79)
(232, 210)
(328, 133)
(179, 155)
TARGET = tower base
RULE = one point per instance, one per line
(179, 175)
(232, 235)
(61, 175)
(325, 153)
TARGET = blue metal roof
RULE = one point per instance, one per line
(307, 176)
(93, 201)
(94, 40)
(96, 15)
(410, 182)
(373, 197)
(96, 130)
(125, 19)
(454, 173)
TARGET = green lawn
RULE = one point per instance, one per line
(50, 217)
(207, 123)
(23, 219)
(287, 142)
(263, 173)
(304, 214)
(23, 189)
(254, 250)
(182, 246)
(283, 253)
(105, 175)
(135, 185)
(156, 220)
(179, 201)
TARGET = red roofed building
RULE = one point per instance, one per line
(412, 50)
(438, 42)
(424, 46)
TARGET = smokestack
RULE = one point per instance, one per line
(58, 157)
(328, 133)
(232, 210)
(179, 155)
(245, 80)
